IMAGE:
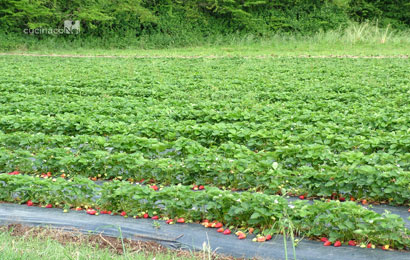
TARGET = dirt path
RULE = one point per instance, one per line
(205, 56)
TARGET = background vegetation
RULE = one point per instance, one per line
(164, 23)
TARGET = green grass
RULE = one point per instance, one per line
(358, 40)
(28, 247)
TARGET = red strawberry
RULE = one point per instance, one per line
(227, 232)
(342, 199)
(48, 174)
(154, 187)
(261, 239)
(29, 203)
(155, 217)
(205, 221)
(195, 187)
(103, 212)
(109, 212)
(301, 197)
(145, 215)
(352, 243)
(369, 245)
(218, 225)
(123, 213)
(327, 243)
(268, 237)
(169, 221)
(220, 230)
(181, 220)
(323, 239)
(201, 187)
(242, 236)
(91, 211)
(49, 206)
(337, 244)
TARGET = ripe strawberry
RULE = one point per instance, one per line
(261, 239)
(155, 217)
(220, 230)
(268, 237)
(48, 174)
(342, 199)
(218, 225)
(195, 187)
(145, 215)
(301, 197)
(369, 245)
(227, 232)
(109, 212)
(352, 243)
(327, 243)
(170, 221)
(337, 244)
(94, 178)
(364, 202)
(323, 239)
(201, 187)
(29, 203)
(241, 236)
(91, 211)
(352, 199)
(123, 213)
(49, 206)
(154, 187)
(251, 230)
(78, 209)
(181, 220)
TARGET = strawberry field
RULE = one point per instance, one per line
(249, 131)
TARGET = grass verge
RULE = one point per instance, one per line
(357, 39)
(23, 242)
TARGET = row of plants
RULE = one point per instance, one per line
(233, 166)
(257, 137)
(175, 109)
(291, 155)
(266, 214)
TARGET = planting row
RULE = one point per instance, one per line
(267, 214)
(377, 182)
(178, 109)
(264, 136)
(290, 156)
(356, 175)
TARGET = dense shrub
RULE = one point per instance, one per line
(170, 17)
